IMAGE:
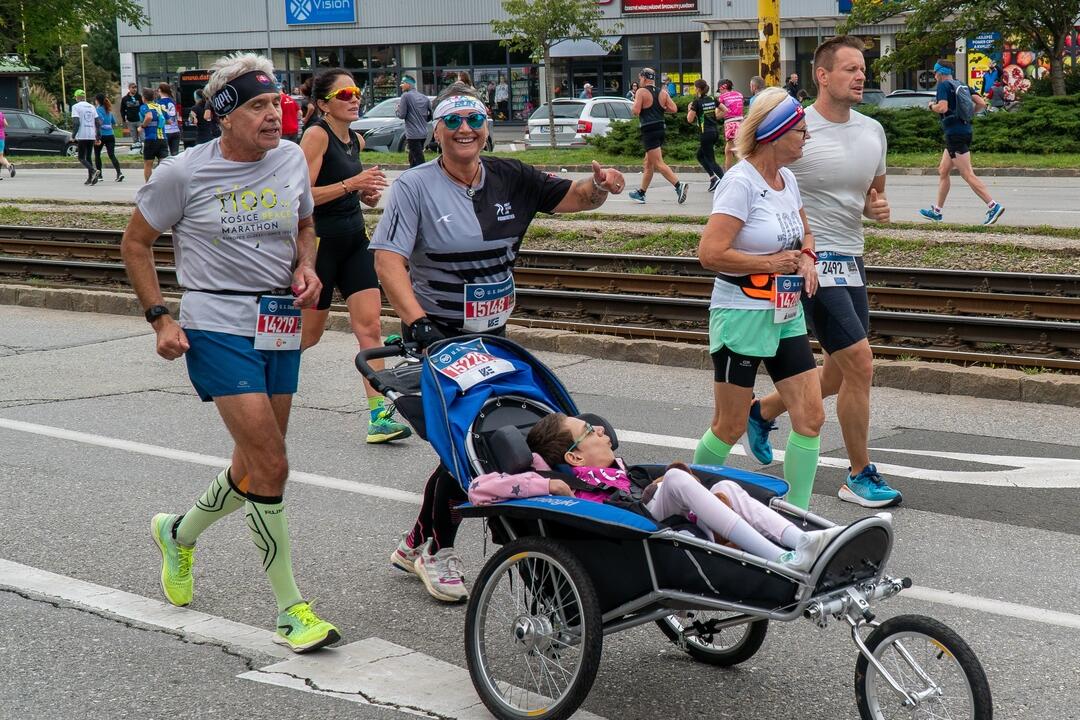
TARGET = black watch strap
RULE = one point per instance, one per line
(156, 311)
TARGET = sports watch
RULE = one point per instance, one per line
(155, 311)
(810, 254)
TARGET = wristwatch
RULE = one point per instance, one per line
(156, 311)
(810, 253)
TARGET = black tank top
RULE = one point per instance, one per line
(342, 215)
(654, 113)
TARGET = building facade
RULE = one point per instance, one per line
(381, 40)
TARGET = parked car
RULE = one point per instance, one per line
(872, 96)
(576, 120)
(384, 131)
(32, 134)
(899, 99)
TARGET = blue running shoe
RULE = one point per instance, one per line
(680, 192)
(931, 214)
(993, 214)
(638, 196)
(757, 434)
(869, 489)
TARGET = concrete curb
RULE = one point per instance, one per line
(130, 164)
(940, 378)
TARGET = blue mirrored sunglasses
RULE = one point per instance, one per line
(475, 121)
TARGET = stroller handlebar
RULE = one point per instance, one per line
(393, 349)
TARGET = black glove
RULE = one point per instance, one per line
(425, 333)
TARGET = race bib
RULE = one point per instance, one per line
(468, 363)
(488, 305)
(834, 269)
(787, 291)
(278, 325)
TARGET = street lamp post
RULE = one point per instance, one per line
(82, 61)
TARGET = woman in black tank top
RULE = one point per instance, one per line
(650, 104)
(340, 184)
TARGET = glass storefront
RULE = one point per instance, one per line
(378, 68)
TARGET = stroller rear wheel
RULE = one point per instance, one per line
(931, 663)
(706, 636)
(533, 631)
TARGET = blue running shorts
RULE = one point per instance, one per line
(221, 364)
(839, 316)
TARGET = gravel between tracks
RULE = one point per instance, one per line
(1059, 255)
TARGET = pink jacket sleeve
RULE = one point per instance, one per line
(494, 487)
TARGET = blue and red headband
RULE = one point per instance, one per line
(780, 119)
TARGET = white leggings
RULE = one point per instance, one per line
(681, 493)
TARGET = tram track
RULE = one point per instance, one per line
(1014, 319)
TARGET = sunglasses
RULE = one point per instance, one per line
(345, 93)
(589, 430)
(475, 121)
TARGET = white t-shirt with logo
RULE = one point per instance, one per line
(234, 228)
(839, 162)
(87, 115)
(771, 223)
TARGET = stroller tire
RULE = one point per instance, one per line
(533, 618)
(724, 647)
(945, 671)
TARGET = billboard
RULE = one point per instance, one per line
(319, 12)
(645, 7)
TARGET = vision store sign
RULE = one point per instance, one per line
(319, 12)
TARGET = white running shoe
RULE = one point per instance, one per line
(442, 573)
(810, 546)
(404, 556)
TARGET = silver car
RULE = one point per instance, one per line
(576, 120)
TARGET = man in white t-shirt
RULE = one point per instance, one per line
(86, 131)
(842, 179)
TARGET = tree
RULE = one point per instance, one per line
(104, 47)
(39, 27)
(934, 24)
(534, 26)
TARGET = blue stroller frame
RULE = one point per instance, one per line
(571, 571)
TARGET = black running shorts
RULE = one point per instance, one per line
(958, 145)
(839, 317)
(793, 356)
(344, 262)
(652, 136)
(155, 149)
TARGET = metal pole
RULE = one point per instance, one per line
(269, 48)
(63, 88)
(82, 62)
(769, 41)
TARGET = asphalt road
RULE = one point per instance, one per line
(1027, 200)
(1000, 544)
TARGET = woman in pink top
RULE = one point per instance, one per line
(726, 513)
(3, 141)
(730, 106)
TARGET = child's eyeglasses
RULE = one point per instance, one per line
(589, 430)
(345, 93)
(474, 120)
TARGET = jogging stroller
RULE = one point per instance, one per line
(571, 571)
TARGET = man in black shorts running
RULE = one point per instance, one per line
(650, 104)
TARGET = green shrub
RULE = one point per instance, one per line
(1041, 125)
(680, 144)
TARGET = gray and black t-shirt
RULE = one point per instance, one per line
(461, 250)
(234, 228)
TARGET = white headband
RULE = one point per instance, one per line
(452, 104)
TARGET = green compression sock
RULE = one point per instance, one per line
(270, 533)
(376, 406)
(711, 450)
(800, 467)
(220, 499)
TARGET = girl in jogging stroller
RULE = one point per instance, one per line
(572, 570)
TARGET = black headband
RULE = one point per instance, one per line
(241, 89)
(648, 74)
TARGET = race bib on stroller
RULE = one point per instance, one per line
(469, 363)
(488, 305)
(278, 325)
(834, 269)
(787, 291)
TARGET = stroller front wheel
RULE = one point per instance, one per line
(931, 663)
(533, 631)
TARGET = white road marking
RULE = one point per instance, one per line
(209, 460)
(995, 607)
(372, 671)
(1025, 472)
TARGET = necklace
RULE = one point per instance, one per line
(469, 190)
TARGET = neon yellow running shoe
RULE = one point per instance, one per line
(301, 630)
(177, 581)
(383, 428)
